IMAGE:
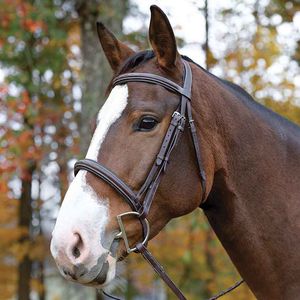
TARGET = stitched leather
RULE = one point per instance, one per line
(110, 178)
(154, 79)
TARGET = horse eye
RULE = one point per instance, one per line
(147, 124)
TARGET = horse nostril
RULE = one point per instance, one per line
(77, 246)
(76, 252)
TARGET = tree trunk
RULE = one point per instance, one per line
(41, 279)
(209, 259)
(25, 215)
(96, 72)
(98, 295)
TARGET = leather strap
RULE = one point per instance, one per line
(157, 267)
(197, 150)
(109, 177)
(154, 79)
(162, 159)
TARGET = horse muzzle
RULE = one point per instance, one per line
(78, 263)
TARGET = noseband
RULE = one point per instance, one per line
(140, 202)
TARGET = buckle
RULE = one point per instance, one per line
(178, 115)
(179, 120)
(122, 234)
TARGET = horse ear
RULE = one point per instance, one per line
(115, 51)
(162, 39)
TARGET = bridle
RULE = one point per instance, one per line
(140, 202)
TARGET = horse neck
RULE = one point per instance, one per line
(252, 206)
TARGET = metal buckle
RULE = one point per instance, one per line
(180, 119)
(178, 114)
(122, 234)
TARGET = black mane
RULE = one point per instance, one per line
(136, 60)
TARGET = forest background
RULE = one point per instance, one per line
(52, 80)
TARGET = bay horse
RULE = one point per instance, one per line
(236, 160)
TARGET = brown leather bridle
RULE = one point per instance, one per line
(141, 201)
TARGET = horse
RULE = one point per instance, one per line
(235, 159)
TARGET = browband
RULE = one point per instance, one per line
(154, 79)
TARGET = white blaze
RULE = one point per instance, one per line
(109, 113)
(82, 210)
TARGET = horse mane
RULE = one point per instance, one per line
(135, 60)
(142, 57)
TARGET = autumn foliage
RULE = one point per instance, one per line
(40, 108)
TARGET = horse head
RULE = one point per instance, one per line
(131, 127)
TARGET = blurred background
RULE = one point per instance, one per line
(52, 81)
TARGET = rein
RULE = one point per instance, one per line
(141, 201)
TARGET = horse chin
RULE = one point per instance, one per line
(106, 275)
